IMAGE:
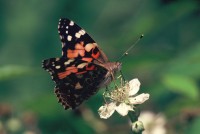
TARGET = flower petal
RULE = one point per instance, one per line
(139, 99)
(134, 85)
(107, 110)
(123, 109)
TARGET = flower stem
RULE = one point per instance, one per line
(138, 126)
(132, 116)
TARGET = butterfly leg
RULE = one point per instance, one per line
(122, 78)
(113, 78)
(104, 94)
(122, 75)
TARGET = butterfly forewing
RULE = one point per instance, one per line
(76, 43)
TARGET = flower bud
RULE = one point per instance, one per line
(137, 127)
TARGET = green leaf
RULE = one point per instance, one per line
(10, 71)
(181, 84)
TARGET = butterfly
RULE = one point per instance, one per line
(83, 67)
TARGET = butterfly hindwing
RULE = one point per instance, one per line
(76, 43)
(76, 80)
(72, 93)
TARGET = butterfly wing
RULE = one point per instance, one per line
(80, 71)
(76, 80)
(76, 43)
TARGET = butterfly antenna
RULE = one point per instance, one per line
(126, 52)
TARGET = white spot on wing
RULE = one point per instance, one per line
(71, 23)
(82, 65)
(82, 32)
(67, 27)
(69, 38)
(63, 44)
(77, 35)
(57, 67)
(78, 86)
(89, 46)
(68, 62)
(66, 32)
(53, 63)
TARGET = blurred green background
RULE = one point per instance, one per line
(166, 61)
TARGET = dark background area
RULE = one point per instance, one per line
(166, 61)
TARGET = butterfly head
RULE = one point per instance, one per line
(113, 66)
(117, 66)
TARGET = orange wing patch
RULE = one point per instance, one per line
(90, 68)
(90, 47)
(73, 69)
(96, 56)
(87, 59)
(79, 50)
(68, 71)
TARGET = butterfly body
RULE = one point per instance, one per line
(82, 69)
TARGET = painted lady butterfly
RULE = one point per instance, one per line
(83, 67)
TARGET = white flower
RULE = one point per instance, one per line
(123, 109)
(134, 86)
(107, 110)
(14, 125)
(139, 99)
(153, 123)
(122, 99)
